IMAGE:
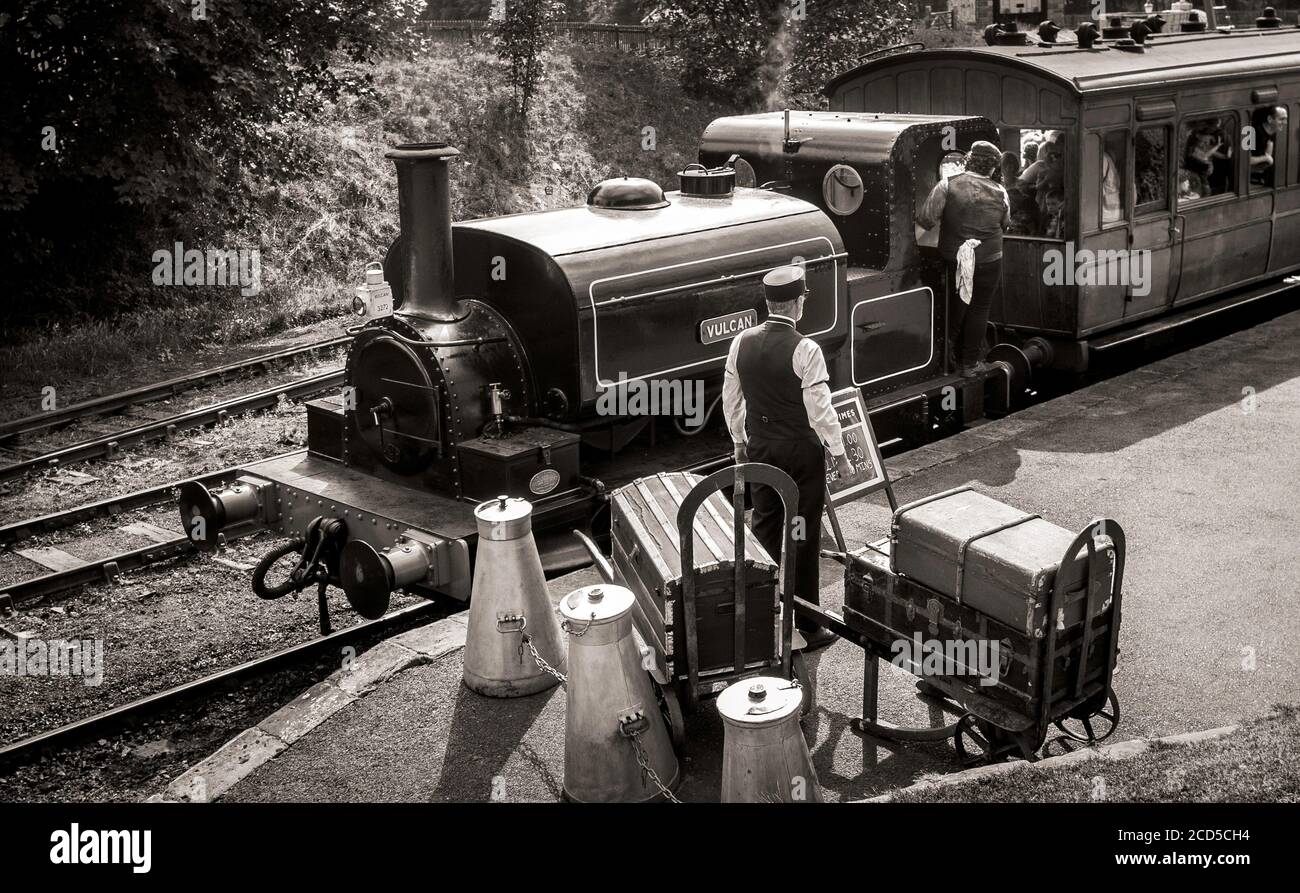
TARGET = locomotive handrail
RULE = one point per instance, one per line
(646, 295)
(736, 476)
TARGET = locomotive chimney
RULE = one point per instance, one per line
(424, 208)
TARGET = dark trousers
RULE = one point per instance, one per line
(970, 320)
(803, 460)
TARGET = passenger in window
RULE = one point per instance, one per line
(1048, 160)
(1054, 214)
(1207, 157)
(1024, 214)
(1009, 170)
(1110, 209)
(1030, 152)
(1269, 123)
(1051, 182)
(1190, 185)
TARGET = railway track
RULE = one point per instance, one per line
(26, 749)
(106, 446)
(18, 429)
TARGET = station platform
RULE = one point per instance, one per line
(1197, 456)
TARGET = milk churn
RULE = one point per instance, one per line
(616, 746)
(510, 613)
(765, 758)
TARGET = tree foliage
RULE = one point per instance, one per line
(835, 35)
(123, 115)
(763, 52)
(727, 50)
(520, 38)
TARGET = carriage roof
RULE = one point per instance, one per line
(1170, 59)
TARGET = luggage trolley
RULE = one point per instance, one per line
(686, 554)
(1054, 674)
(1056, 655)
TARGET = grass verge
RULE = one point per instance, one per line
(1259, 764)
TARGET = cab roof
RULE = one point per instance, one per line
(1170, 59)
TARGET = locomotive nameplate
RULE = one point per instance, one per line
(726, 327)
(860, 446)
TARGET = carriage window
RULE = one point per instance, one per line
(1151, 169)
(1206, 166)
(1112, 177)
(1267, 144)
(1037, 192)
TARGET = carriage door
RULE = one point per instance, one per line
(1157, 233)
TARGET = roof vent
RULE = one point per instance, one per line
(699, 181)
(627, 194)
(1005, 34)
(1115, 29)
(1269, 19)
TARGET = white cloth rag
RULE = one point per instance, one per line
(966, 269)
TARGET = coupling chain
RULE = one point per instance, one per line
(646, 770)
(527, 640)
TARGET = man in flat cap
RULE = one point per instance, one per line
(971, 211)
(778, 407)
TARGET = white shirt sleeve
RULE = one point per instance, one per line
(810, 366)
(733, 399)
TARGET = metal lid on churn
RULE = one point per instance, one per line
(602, 603)
(504, 518)
(760, 701)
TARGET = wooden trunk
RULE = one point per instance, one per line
(989, 556)
(646, 554)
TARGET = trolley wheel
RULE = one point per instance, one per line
(671, 708)
(1092, 725)
(799, 667)
(970, 741)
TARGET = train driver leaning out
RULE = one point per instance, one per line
(971, 211)
(777, 402)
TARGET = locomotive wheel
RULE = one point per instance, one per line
(671, 708)
(1092, 725)
(799, 667)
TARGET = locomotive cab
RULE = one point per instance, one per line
(867, 173)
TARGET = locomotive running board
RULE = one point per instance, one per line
(1189, 315)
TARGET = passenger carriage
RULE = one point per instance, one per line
(1134, 113)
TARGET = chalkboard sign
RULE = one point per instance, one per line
(860, 446)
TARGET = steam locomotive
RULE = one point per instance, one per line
(486, 376)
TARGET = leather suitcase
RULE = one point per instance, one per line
(991, 557)
(646, 554)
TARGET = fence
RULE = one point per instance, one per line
(623, 37)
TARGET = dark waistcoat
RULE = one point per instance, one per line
(774, 407)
